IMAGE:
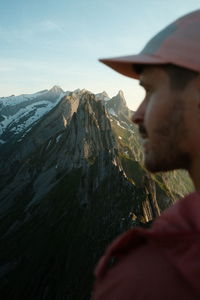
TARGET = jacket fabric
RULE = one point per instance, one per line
(162, 262)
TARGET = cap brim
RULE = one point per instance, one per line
(125, 64)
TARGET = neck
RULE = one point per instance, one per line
(194, 172)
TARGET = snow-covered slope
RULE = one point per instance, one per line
(14, 100)
(19, 113)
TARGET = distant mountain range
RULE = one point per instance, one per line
(72, 179)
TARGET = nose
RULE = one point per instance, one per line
(138, 116)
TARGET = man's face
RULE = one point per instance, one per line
(164, 120)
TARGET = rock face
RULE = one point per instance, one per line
(69, 186)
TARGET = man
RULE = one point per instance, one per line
(162, 262)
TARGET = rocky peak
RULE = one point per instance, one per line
(86, 96)
(120, 98)
(56, 90)
(79, 91)
(102, 96)
(117, 105)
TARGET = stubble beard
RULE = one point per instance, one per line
(166, 153)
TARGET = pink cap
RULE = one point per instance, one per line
(178, 44)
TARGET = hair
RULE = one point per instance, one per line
(179, 76)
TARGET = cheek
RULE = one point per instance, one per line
(192, 125)
(191, 116)
(157, 111)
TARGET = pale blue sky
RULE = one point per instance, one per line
(46, 42)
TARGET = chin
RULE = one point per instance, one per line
(155, 165)
(155, 168)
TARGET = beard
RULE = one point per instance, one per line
(159, 160)
(165, 151)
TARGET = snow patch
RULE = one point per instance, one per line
(112, 112)
(14, 100)
(49, 143)
(58, 138)
(120, 125)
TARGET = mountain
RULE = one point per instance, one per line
(19, 113)
(70, 183)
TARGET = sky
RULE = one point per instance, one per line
(46, 42)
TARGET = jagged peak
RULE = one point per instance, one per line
(87, 96)
(120, 93)
(79, 91)
(56, 89)
(105, 93)
(102, 96)
(85, 91)
(120, 97)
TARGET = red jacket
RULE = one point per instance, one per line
(158, 263)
